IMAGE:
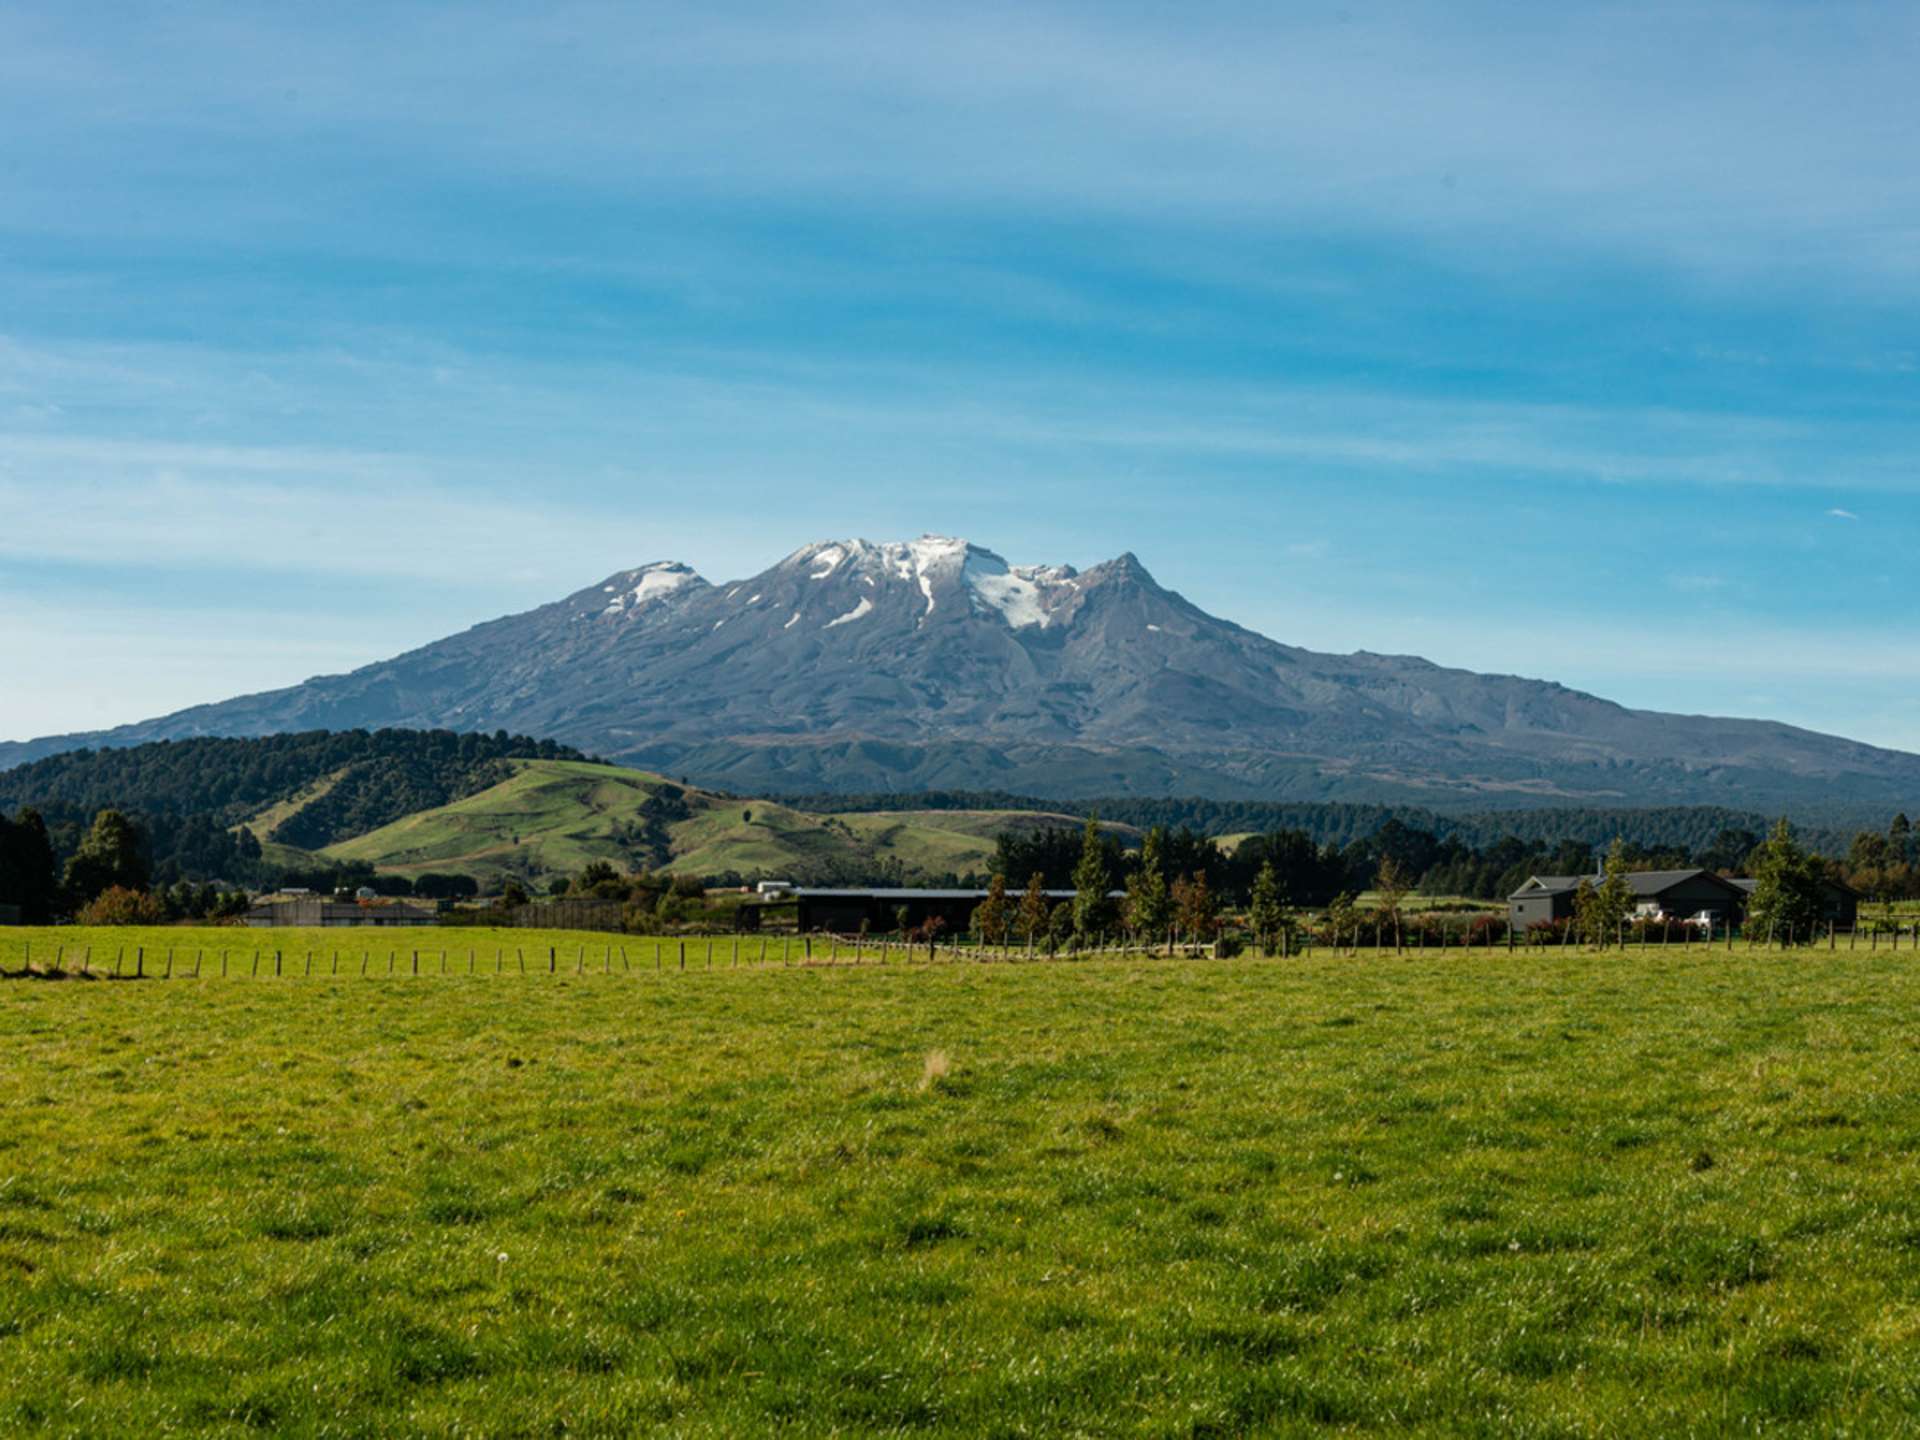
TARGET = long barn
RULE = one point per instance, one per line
(1673, 894)
(848, 911)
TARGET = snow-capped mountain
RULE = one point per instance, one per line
(933, 663)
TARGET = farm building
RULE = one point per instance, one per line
(331, 914)
(1840, 903)
(1670, 894)
(846, 912)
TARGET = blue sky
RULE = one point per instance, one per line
(1576, 341)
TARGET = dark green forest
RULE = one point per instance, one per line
(184, 797)
(1673, 828)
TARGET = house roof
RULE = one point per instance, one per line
(336, 909)
(1752, 885)
(1641, 884)
(811, 893)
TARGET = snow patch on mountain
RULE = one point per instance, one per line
(650, 583)
(1023, 595)
(858, 612)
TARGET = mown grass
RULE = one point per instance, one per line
(1562, 1194)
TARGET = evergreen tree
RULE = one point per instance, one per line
(1149, 905)
(598, 878)
(111, 855)
(1585, 921)
(1092, 884)
(990, 916)
(1613, 897)
(1268, 911)
(1788, 898)
(1060, 923)
(27, 869)
(1034, 909)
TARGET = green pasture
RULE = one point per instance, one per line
(1553, 1194)
(556, 817)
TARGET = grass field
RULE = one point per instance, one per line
(554, 817)
(1557, 1195)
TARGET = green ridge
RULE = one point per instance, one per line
(554, 817)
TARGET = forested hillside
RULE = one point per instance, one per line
(190, 798)
(1689, 828)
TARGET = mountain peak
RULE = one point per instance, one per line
(630, 591)
(856, 665)
(1127, 563)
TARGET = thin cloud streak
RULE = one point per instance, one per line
(1591, 128)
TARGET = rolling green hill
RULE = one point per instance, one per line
(553, 817)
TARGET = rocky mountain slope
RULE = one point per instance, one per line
(935, 663)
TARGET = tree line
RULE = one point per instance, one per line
(1314, 874)
(107, 879)
(1676, 828)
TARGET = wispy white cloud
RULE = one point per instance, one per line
(1143, 202)
(1590, 126)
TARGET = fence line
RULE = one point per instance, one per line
(831, 950)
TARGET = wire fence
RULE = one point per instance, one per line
(91, 960)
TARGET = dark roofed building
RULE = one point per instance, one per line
(311, 910)
(845, 911)
(1672, 894)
